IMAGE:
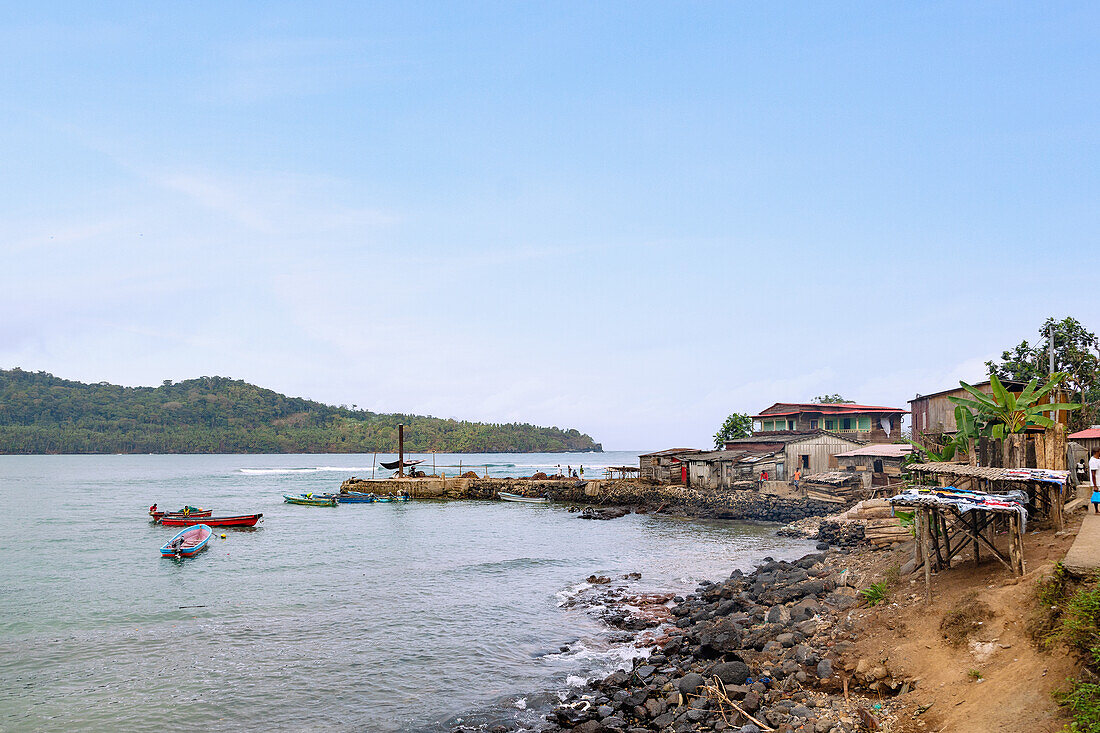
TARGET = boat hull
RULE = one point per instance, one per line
(157, 516)
(194, 540)
(505, 496)
(242, 520)
(356, 497)
(315, 501)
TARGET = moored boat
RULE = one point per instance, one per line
(187, 511)
(188, 542)
(241, 520)
(383, 499)
(505, 496)
(327, 500)
(356, 497)
(392, 465)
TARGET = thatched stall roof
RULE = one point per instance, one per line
(989, 473)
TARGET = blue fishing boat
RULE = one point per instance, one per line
(383, 499)
(190, 541)
(356, 497)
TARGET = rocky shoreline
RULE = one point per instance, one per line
(756, 652)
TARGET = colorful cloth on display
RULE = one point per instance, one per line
(1036, 474)
(964, 500)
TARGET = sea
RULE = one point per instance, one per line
(417, 616)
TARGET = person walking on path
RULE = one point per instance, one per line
(797, 477)
(1094, 476)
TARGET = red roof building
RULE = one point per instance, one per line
(869, 423)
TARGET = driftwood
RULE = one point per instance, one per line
(717, 691)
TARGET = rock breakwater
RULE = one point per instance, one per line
(756, 652)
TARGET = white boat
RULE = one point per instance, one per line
(505, 496)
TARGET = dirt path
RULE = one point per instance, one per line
(991, 676)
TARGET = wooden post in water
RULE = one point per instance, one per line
(401, 450)
(373, 464)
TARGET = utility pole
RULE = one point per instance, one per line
(401, 450)
(1050, 340)
(1052, 395)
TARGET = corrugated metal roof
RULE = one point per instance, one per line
(716, 455)
(670, 451)
(882, 450)
(1012, 385)
(1085, 434)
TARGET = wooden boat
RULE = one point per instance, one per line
(188, 542)
(356, 497)
(241, 520)
(383, 499)
(328, 500)
(194, 512)
(391, 465)
(505, 496)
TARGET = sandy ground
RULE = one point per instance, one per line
(1013, 692)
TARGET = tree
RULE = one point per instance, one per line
(831, 399)
(1003, 412)
(737, 425)
(1076, 354)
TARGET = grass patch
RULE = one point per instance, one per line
(975, 674)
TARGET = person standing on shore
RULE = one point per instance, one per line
(1094, 469)
(797, 477)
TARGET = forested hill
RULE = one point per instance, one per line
(40, 413)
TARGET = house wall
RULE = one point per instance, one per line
(865, 467)
(821, 450)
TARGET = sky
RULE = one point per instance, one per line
(630, 218)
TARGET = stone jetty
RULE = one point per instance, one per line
(639, 495)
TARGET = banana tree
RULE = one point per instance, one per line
(1003, 412)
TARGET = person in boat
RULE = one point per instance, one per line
(153, 509)
(186, 510)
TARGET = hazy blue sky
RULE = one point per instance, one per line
(629, 218)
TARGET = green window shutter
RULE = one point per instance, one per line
(865, 424)
(767, 425)
(828, 424)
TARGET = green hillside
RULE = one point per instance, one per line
(40, 413)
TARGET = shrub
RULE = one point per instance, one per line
(875, 593)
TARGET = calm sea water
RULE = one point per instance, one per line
(378, 617)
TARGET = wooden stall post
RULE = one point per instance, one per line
(924, 514)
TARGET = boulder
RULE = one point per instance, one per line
(690, 682)
(731, 673)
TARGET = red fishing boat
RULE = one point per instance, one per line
(241, 520)
(192, 512)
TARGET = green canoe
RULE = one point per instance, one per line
(310, 501)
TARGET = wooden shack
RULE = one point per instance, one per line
(835, 487)
(1088, 439)
(712, 469)
(664, 466)
(876, 465)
